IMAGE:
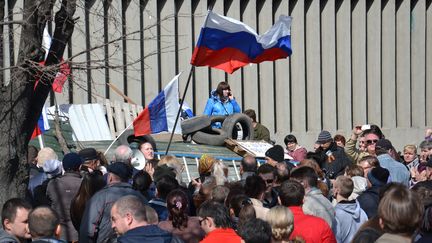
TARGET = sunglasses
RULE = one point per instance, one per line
(269, 181)
(371, 141)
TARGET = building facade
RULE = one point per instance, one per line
(353, 61)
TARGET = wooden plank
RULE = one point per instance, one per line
(134, 111)
(110, 117)
(119, 117)
(127, 114)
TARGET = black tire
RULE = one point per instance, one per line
(128, 137)
(195, 124)
(214, 137)
(214, 119)
(229, 126)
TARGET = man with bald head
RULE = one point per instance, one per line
(123, 153)
(248, 167)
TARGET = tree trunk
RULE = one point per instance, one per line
(20, 102)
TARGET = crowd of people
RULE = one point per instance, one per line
(356, 190)
(359, 190)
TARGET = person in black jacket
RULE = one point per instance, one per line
(369, 199)
(334, 160)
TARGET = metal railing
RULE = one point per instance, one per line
(193, 161)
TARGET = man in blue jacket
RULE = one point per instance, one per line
(129, 221)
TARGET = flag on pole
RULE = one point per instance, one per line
(229, 44)
(187, 110)
(160, 114)
(42, 124)
(64, 71)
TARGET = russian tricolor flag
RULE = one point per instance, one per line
(42, 124)
(160, 114)
(229, 44)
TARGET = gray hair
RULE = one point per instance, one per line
(123, 153)
(133, 205)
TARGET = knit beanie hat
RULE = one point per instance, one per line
(324, 137)
(205, 164)
(275, 153)
(378, 176)
(72, 161)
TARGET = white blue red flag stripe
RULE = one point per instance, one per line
(229, 44)
(160, 114)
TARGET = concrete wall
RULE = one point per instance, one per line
(353, 62)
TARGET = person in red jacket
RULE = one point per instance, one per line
(215, 222)
(312, 229)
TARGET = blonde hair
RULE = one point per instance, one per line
(410, 147)
(46, 154)
(281, 221)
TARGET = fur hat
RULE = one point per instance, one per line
(275, 153)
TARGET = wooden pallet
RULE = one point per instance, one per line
(119, 114)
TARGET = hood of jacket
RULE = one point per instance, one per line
(350, 207)
(360, 184)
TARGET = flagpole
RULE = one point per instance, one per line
(186, 88)
(106, 151)
(180, 108)
(41, 143)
